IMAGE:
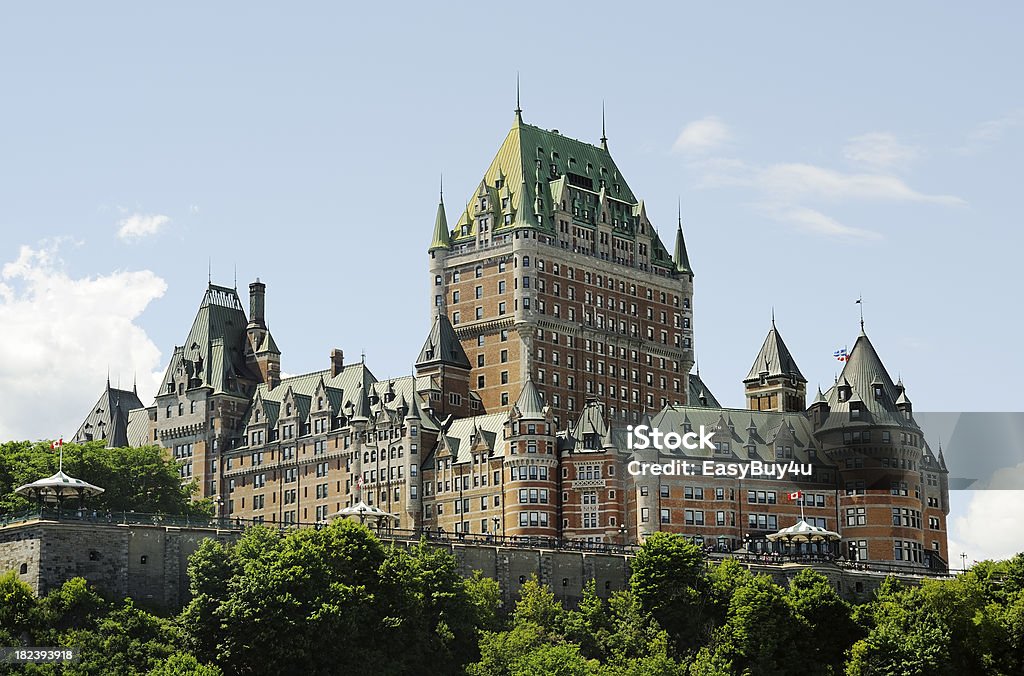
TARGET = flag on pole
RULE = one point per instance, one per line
(841, 354)
(796, 495)
(57, 444)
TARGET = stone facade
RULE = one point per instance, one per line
(149, 563)
(559, 319)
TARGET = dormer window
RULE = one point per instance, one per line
(878, 391)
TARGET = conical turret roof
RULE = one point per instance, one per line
(442, 346)
(774, 359)
(530, 403)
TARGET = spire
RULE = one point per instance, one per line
(524, 210)
(362, 404)
(530, 403)
(441, 239)
(604, 134)
(774, 359)
(414, 407)
(681, 259)
(442, 346)
(519, 109)
(860, 302)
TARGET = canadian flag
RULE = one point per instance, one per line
(796, 495)
(57, 444)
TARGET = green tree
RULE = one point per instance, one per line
(485, 596)
(184, 664)
(210, 570)
(831, 629)
(537, 606)
(128, 641)
(667, 580)
(763, 634)
(17, 607)
(140, 479)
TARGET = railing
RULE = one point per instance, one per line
(432, 535)
(70, 515)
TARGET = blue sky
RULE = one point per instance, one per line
(820, 154)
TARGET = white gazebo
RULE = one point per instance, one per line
(802, 531)
(365, 513)
(57, 488)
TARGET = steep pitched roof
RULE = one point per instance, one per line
(681, 259)
(441, 239)
(214, 351)
(774, 359)
(109, 417)
(696, 389)
(862, 372)
(442, 346)
(530, 404)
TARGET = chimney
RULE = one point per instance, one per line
(257, 296)
(337, 361)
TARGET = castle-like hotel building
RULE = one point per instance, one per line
(559, 319)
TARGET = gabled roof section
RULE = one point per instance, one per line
(442, 346)
(109, 417)
(459, 437)
(524, 163)
(697, 390)
(774, 359)
(213, 354)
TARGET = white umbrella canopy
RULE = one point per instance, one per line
(57, 488)
(802, 531)
(363, 512)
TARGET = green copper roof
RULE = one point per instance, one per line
(774, 359)
(441, 239)
(442, 346)
(531, 158)
(681, 260)
(530, 404)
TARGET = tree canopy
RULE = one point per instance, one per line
(139, 479)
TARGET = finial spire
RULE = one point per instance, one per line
(773, 316)
(441, 190)
(679, 212)
(860, 302)
(519, 109)
(209, 270)
(236, 277)
(604, 134)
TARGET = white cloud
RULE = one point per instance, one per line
(989, 132)
(701, 136)
(818, 223)
(796, 180)
(879, 151)
(137, 226)
(61, 334)
(989, 528)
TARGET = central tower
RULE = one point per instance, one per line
(553, 272)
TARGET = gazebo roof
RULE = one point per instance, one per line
(363, 511)
(57, 487)
(802, 531)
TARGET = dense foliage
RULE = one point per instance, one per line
(336, 601)
(140, 479)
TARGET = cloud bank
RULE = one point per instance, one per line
(61, 335)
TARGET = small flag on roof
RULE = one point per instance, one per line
(796, 495)
(841, 354)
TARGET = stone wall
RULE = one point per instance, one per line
(149, 563)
